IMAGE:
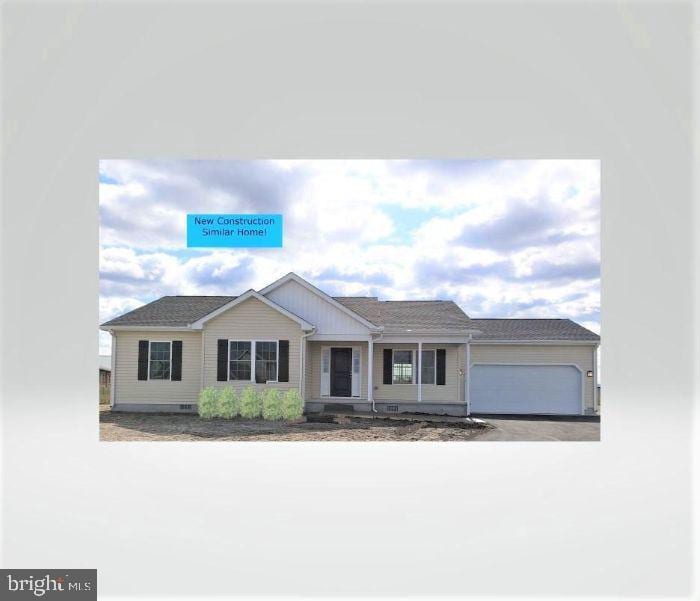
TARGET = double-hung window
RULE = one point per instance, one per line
(159, 360)
(239, 360)
(265, 361)
(427, 367)
(402, 367)
(253, 360)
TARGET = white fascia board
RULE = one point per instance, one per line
(340, 337)
(291, 276)
(199, 324)
(428, 339)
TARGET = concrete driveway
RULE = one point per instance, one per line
(519, 427)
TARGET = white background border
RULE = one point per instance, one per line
(608, 81)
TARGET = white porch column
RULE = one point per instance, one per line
(420, 370)
(370, 368)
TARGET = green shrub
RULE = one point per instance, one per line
(208, 404)
(272, 404)
(228, 403)
(292, 405)
(251, 403)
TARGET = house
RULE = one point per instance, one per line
(357, 353)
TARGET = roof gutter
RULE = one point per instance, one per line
(125, 328)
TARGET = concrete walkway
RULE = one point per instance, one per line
(540, 428)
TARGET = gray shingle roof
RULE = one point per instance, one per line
(432, 315)
(531, 329)
(394, 316)
(171, 311)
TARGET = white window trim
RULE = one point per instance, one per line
(253, 344)
(170, 362)
(325, 376)
(413, 365)
(434, 352)
(352, 372)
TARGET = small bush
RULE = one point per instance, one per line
(292, 405)
(251, 403)
(272, 404)
(208, 404)
(228, 405)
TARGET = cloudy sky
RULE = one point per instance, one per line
(501, 238)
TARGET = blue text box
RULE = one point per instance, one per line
(238, 230)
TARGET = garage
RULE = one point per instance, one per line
(535, 389)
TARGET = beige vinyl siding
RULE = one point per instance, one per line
(251, 320)
(129, 389)
(313, 383)
(578, 355)
(451, 392)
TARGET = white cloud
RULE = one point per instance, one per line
(503, 238)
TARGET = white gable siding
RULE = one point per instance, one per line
(316, 310)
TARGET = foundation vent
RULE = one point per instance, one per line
(185, 407)
(392, 408)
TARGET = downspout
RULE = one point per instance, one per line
(467, 376)
(113, 372)
(381, 335)
(302, 366)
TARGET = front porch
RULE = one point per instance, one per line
(392, 376)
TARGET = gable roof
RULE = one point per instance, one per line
(171, 311)
(293, 277)
(390, 316)
(510, 329)
(305, 325)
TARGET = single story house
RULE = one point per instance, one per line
(357, 353)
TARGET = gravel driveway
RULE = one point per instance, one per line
(541, 428)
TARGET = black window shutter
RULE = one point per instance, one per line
(440, 367)
(143, 360)
(283, 362)
(176, 369)
(222, 360)
(387, 366)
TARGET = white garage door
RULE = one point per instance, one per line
(525, 389)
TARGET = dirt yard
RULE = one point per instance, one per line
(159, 426)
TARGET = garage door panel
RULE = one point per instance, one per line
(552, 389)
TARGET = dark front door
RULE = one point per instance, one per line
(341, 372)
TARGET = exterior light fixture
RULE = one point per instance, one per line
(589, 373)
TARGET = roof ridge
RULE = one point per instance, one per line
(523, 318)
(420, 300)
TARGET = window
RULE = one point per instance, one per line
(265, 362)
(159, 361)
(403, 367)
(239, 360)
(427, 367)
